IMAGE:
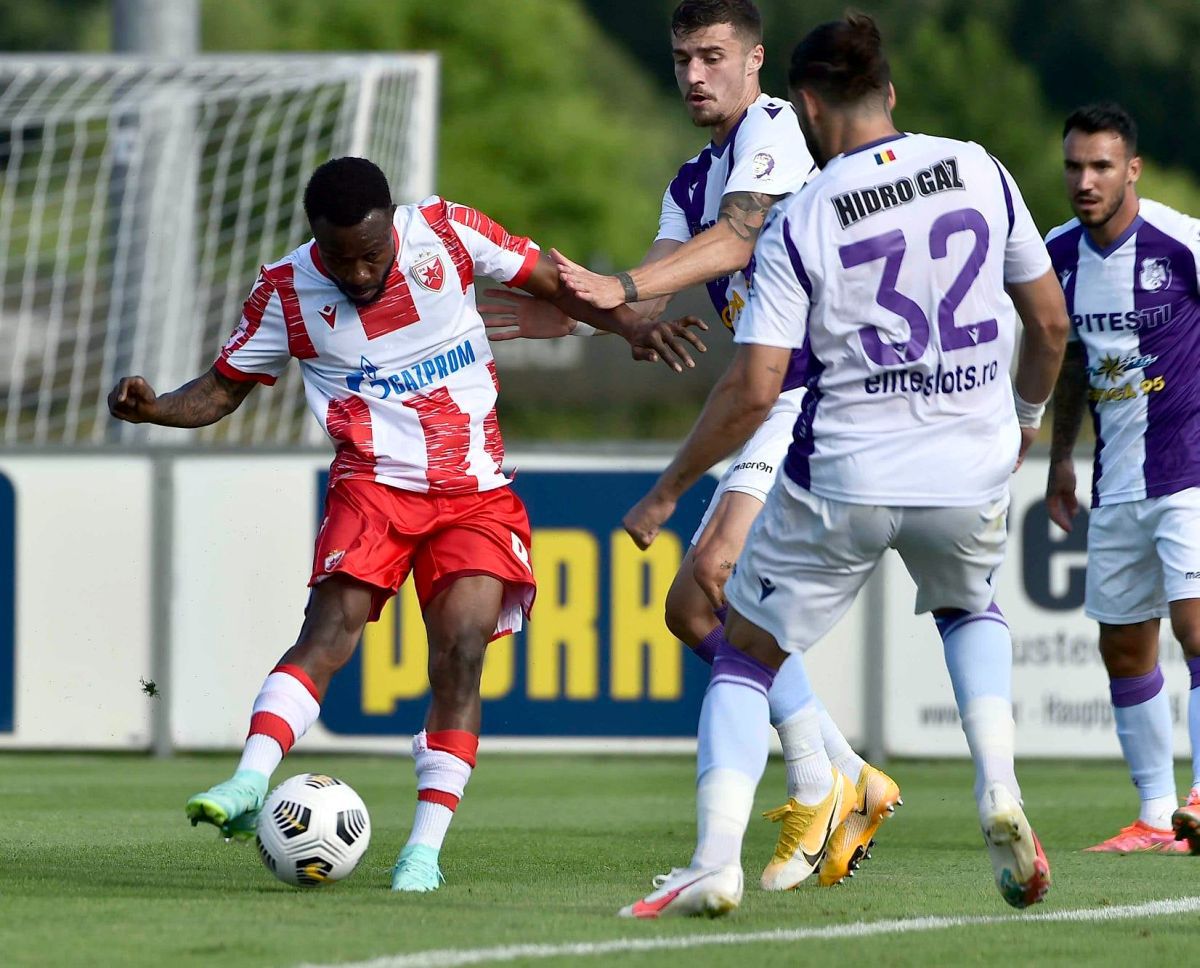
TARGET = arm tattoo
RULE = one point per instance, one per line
(745, 212)
(203, 401)
(1070, 397)
(627, 284)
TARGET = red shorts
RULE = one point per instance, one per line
(378, 534)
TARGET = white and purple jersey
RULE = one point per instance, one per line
(887, 272)
(1136, 308)
(764, 153)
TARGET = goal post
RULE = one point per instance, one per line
(139, 196)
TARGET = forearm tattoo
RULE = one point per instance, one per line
(627, 284)
(745, 212)
(1070, 398)
(203, 401)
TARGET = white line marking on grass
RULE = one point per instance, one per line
(452, 957)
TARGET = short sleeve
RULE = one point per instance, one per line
(1025, 255)
(781, 293)
(258, 349)
(672, 223)
(770, 153)
(493, 249)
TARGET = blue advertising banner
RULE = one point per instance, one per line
(596, 659)
(8, 602)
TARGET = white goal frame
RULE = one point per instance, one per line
(139, 195)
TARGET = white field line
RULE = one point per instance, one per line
(452, 957)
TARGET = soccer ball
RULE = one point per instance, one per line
(312, 829)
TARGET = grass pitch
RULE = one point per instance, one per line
(101, 868)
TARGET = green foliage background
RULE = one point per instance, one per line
(560, 116)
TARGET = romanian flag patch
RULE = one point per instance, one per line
(883, 157)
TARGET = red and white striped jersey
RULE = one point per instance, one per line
(405, 386)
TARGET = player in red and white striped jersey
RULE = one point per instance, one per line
(379, 310)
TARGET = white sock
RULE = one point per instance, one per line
(978, 649)
(431, 822)
(1142, 711)
(284, 710)
(724, 800)
(988, 725)
(731, 755)
(809, 771)
(1156, 811)
(841, 753)
(443, 762)
(261, 753)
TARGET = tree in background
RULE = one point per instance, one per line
(544, 122)
(961, 73)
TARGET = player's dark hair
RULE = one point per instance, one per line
(1104, 116)
(842, 61)
(345, 191)
(742, 15)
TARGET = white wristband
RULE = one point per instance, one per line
(1029, 414)
(582, 329)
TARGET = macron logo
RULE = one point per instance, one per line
(329, 314)
(768, 589)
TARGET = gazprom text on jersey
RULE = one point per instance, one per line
(959, 380)
(413, 378)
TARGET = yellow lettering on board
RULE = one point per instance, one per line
(639, 588)
(394, 666)
(497, 679)
(563, 633)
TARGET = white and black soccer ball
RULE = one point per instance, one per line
(313, 829)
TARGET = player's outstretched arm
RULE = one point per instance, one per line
(651, 340)
(1070, 399)
(733, 411)
(510, 315)
(715, 252)
(513, 315)
(1043, 313)
(203, 401)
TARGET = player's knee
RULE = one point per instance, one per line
(1188, 634)
(456, 664)
(688, 617)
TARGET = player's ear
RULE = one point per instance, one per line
(754, 61)
(891, 97)
(1135, 168)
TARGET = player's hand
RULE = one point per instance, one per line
(656, 340)
(132, 400)
(513, 315)
(644, 520)
(712, 564)
(603, 292)
(1061, 502)
(1028, 436)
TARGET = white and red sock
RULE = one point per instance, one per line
(443, 761)
(284, 709)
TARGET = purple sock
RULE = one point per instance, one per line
(1135, 690)
(1193, 665)
(706, 648)
(733, 665)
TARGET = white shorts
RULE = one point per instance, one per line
(754, 469)
(1142, 555)
(807, 557)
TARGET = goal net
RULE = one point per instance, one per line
(138, 198)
